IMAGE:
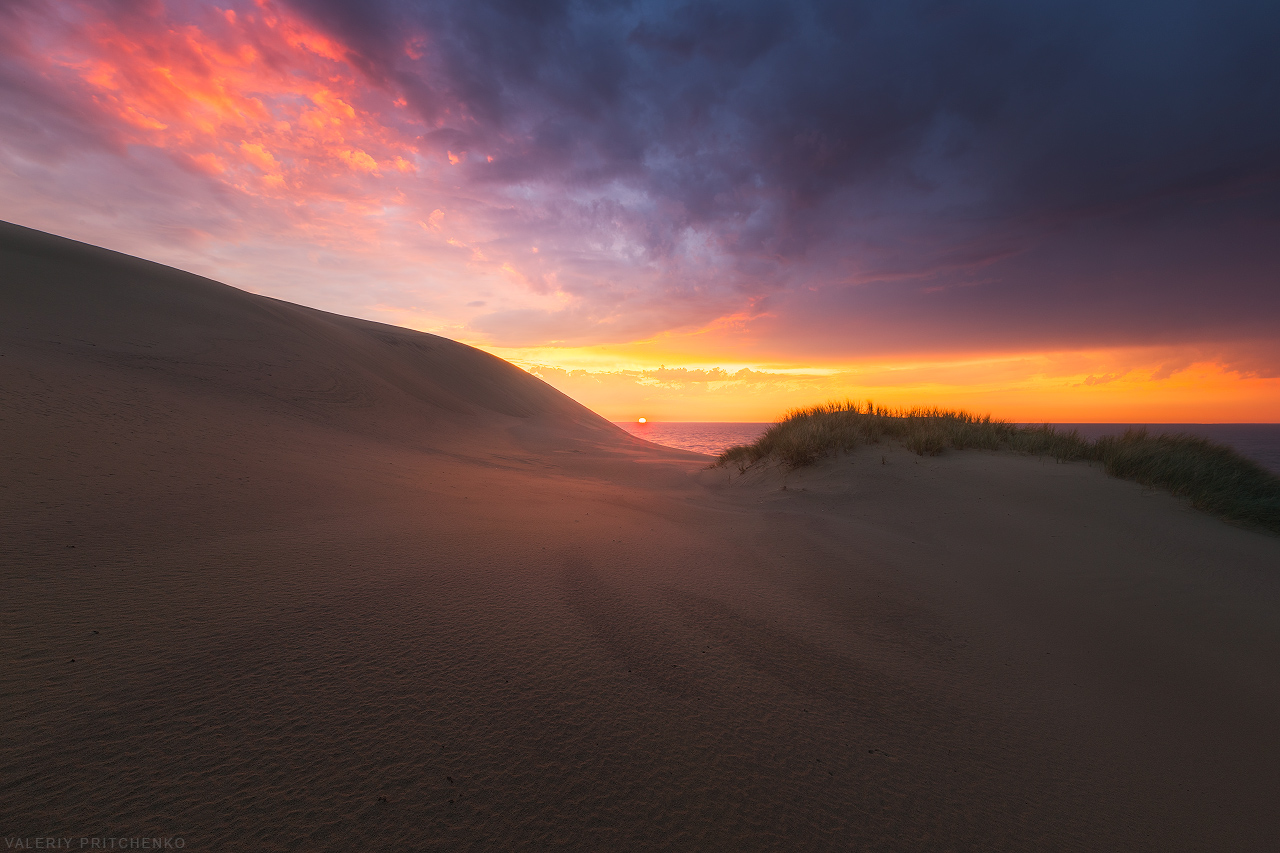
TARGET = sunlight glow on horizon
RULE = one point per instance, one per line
(1073, 387)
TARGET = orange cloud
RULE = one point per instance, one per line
(258, 156)
(359, 161)
(252, 97)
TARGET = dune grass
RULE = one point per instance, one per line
(1213, 477)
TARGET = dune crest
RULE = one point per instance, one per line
(126, 314)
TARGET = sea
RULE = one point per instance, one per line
(1259, 442)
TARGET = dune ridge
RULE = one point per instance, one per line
(279, 580)
(125, 312)
(1213, 476)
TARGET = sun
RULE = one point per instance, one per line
(644, 420)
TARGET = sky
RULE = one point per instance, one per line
(701, 211)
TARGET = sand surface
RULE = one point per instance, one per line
(272, 579)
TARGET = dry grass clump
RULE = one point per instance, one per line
(806, 435)
(1214, 477)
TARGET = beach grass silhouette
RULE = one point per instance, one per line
(1214, 477)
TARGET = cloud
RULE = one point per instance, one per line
(811, 180)
(902, 146)
(254, 100)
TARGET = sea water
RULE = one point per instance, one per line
(710, 438)
(1259, 442)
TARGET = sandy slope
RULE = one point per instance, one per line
(304, 562)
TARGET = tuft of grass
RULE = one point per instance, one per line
(1214, 477)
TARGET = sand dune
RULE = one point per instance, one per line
(275, 579)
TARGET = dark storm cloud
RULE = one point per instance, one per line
(1014, 155)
